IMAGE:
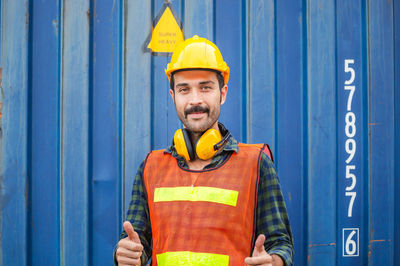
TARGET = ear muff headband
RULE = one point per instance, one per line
(188, 144)
(222, 143)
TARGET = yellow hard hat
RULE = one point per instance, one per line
(197, 53)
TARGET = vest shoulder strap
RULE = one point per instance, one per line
(264, 147)
(156, 153)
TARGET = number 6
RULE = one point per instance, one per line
(351, 245)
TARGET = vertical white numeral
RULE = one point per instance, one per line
(347, 68)
(352, 89)
(352, 195)
(352, 176)
(351, 242)
(350, 149)
(350, 128)
(350, 146)
(351, 246)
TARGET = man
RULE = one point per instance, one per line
(206, 199)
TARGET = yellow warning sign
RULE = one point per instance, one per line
(167, 32)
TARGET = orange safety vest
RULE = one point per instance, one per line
(203, 217)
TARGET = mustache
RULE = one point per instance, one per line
(197, 109)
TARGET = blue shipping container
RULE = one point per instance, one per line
(82, 102)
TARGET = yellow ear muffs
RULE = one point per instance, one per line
(209, 143)
(206, 145)
(183, 146)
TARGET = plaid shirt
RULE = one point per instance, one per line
(272, 219)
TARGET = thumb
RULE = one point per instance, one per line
(259, 245)
(132, 235)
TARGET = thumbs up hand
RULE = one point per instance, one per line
(129, 249)
(260, 257)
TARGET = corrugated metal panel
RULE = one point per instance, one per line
(289, 150)
(14, 187)
(351, 103)
(82, 104)
(45, 211)
(381, 129)
(396, 41)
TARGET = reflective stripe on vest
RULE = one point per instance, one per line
(209, 194)
(188, 258)
(202, 216)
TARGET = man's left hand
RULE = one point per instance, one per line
(260, 257)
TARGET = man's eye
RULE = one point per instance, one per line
(183, 89)
(206, 88)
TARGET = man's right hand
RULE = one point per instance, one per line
(129, 249)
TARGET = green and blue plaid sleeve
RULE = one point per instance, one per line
(272, 218)
(138, 214)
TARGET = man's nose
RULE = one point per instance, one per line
(196, 97)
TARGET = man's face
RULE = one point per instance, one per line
(198, 99)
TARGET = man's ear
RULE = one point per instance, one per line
(224, 92)
(172, 93)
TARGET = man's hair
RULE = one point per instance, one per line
(220, 78)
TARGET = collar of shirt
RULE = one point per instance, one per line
(231, 146)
